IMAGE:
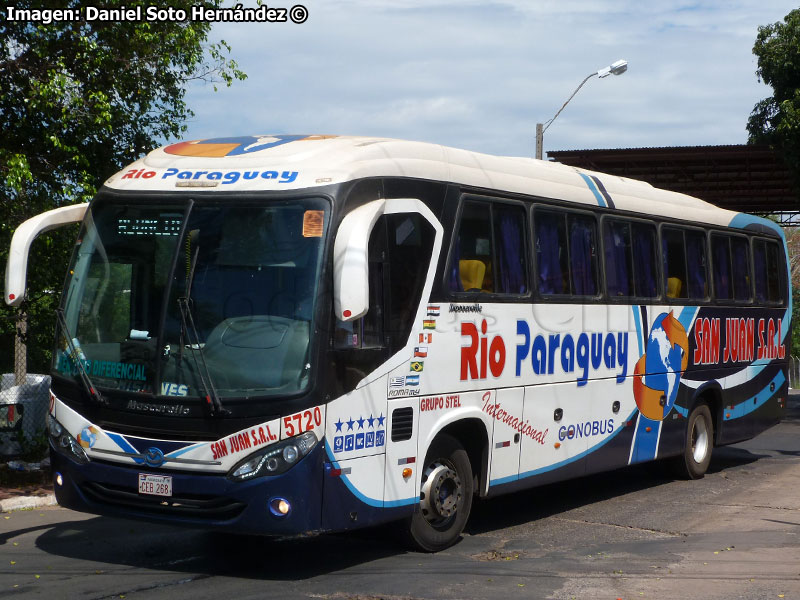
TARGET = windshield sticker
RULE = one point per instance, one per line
(313, 221)
(102, 368)
(174, 389)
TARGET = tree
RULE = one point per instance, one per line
(78, 100)
(776, 120)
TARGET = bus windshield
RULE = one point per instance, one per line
(187, 299)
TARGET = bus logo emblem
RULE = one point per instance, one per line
(154, 457)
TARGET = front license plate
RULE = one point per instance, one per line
(155, 485)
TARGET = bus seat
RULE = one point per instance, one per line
(674, 286)
(471, 273)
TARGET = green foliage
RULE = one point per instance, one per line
(78, 101)
(776, 120)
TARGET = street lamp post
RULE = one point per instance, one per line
(617, 68)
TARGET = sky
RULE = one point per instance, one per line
(480, 75)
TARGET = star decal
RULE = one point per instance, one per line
(350, 424)
(339, 425)
(381, 419)
(361, 422)
(371, 421)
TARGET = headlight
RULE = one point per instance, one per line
(275, 459)
(63, 443)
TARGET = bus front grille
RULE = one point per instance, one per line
(198, 507)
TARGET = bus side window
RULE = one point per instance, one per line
(509, 242)
(644, 260)
(551, 253)
(619, 272)
(566, 253)
(672, 245)
(583, 255)
(767, 271)
(489, 253)
(471, 267)
(696, 262)
(740, 256)
(720, 250)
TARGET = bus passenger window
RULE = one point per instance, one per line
(740, 250)
(583, 255)
(644, 260)
(471, 269)
(696, 263)
(767, 271)
(722, 267)
(489, 254)
(619, 272)
(674, 262)
(509, 236)
(551, 253)
(776, 270)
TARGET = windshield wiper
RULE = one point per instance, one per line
(188, 329)
(78, 358)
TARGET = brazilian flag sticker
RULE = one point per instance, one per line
(417, 365)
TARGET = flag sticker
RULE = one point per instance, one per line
(396, 382)
(433, 310)
(421, 352)
(425, 338)
(429, 324)
(417, 366)
(412, 379)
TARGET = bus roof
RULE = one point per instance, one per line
(286, 162)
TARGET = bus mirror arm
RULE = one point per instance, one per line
(351, 261)
(17, 265)
(351, 252)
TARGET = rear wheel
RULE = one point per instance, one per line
(445, 497)
(696, 457)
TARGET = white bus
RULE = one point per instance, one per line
(289, 334)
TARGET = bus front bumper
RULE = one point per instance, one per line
(209, 501)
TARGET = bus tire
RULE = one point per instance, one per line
(445, 497)
(694, 461)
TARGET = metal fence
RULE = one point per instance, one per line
(24, 399)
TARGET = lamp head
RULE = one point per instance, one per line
(616, 68)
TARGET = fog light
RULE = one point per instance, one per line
(59, 479)
(279, 507)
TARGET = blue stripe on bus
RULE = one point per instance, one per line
(645, 443)
(125, 445)
(746, 407)
(366, 499)
(637, 320)
(603, 191)
(563, 463)
(687, 316)
(600, 200)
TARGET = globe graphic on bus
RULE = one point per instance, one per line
(658, 372)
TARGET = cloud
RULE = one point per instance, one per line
(480, 75)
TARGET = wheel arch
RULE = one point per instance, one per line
(472, 435)
(711, 394)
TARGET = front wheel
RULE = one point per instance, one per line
(696, 457)
(445, 497)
